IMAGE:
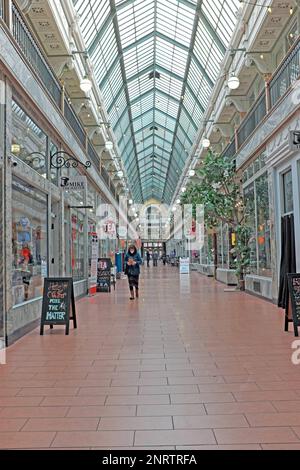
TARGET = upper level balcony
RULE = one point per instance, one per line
(33, 55)
(269, 110)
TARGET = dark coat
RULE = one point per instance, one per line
(133, 270)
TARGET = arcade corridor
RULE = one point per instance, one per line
(186, 364)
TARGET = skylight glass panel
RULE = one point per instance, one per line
(155, 77)
(135, 21)
(139, 58)
(92, 16)
(171, 57)
(222, 17)
(170, 85)
(175, 20)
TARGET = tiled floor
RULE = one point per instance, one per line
(186, 366)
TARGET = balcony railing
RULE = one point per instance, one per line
(105, 175)
(93, 156)
(253, 118)
(287, 73)
(230, 150)
(33, 54)
(75, 123)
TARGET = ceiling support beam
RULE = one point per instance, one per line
(187, 70)
(122, 66)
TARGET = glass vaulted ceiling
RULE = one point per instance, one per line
(156, 62)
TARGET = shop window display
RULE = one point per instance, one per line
(249, 196)
(263, 226)
(225, 244)
(256, 196)
(29, 241)
(288, 201)
(206, 252)
(29, 143)
(77, 244)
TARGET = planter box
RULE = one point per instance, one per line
(259, 285)
(227, 276)
(206, 269)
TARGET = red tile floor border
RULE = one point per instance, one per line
(186, 366)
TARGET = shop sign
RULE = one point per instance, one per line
(184, 266)
(58, 300)
(104, 274)
(294, 140)
(76, 183)
(294, 295)
(108, 230)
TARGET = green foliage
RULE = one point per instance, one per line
(218, 190)
(242, 250)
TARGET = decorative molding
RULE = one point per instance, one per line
(242, 105)
(62, 65)
(264, 65)
(25, 5)
(225, 129)
(270, 128)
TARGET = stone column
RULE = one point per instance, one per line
(7, 203)
(86, 238)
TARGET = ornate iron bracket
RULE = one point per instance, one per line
(62, 159)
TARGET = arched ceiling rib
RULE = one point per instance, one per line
(156, 62)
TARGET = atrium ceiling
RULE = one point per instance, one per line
(156, 62)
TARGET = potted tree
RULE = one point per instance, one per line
(218, 189)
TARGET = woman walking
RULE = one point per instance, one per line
(132, 264)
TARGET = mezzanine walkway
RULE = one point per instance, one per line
(186, 366)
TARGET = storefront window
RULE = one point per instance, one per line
(223, 246)
(249, 197)
(220, 246)
(54, 173)
(287, 182)
(29, 241)
(29, 143)
(256, 196)
(225, 243)
(263, 226)
(77, 244)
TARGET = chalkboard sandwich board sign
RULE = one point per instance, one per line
(294, 295)
(104, 275)
(58, 300)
